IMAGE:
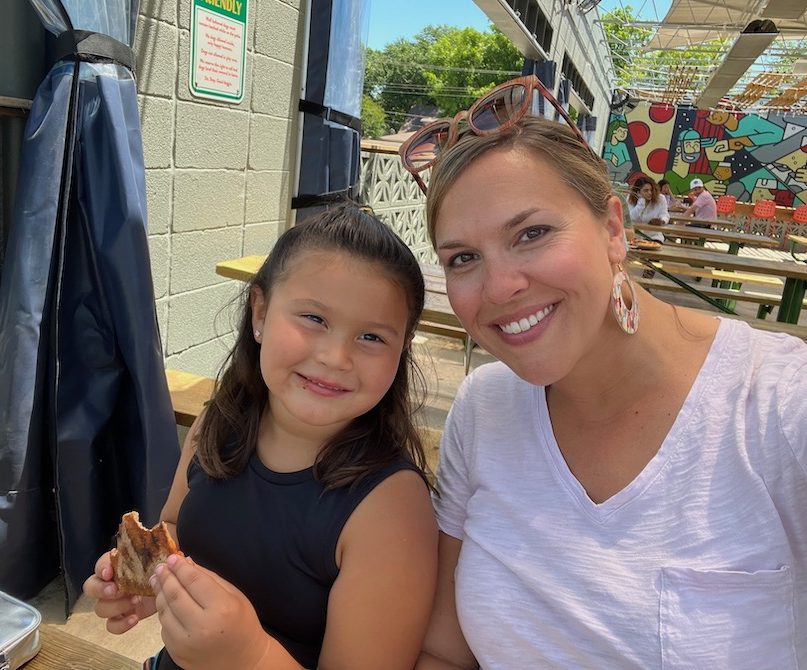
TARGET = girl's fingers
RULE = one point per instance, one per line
(121, 624)
(201, 585)
(173, 599)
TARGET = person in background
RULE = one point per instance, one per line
(704, 206)
(674, 203)
(300, 499)
(626, 486)
(647, 205)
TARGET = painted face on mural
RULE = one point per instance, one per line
(692, 149)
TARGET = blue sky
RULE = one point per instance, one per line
(392, 19)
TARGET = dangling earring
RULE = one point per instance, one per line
(626, 317)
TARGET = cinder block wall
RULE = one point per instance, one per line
(218, 175)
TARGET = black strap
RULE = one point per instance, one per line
(330, 114)
(85, 45)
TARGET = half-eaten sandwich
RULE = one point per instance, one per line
(138, 552)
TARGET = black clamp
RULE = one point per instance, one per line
(91, 47)
(330, 114)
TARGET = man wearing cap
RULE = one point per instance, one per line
(704, 206)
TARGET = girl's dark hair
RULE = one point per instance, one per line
(228, 434)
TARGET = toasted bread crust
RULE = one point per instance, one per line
(139, 551)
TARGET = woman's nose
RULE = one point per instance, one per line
(503, 281)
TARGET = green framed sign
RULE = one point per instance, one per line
(218, 49)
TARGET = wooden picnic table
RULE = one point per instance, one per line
(795, 274)
(64, 651)
(703, 223)
(734, 238)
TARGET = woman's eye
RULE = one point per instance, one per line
(461, 259)
(534, 233)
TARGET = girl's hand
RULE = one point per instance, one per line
(207, 623)
(122, 612)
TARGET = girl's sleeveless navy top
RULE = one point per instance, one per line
(273, 535)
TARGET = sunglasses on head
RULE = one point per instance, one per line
(497, 110)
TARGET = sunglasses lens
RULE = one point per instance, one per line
(498, 108)
(427, 148)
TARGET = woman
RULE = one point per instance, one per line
(647, 205)
(638, 501)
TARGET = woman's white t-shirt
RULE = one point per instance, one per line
(700, 562)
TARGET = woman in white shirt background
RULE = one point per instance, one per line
(647, 205)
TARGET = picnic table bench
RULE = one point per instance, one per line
(793, 273)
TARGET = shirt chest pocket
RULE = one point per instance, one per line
(727, 619)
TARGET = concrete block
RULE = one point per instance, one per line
(268, 197)
(194, 256)
(276, 30)
(204, 359)
(210, 136)
(269, 143)
(273, 90)
(156, 51)
(157, 123)
(159, 191)
(183, 86)
(200, 316)
(160, 263)
(259, 238)
(164, 10)
(207, 199)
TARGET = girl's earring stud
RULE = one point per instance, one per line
(257, 334)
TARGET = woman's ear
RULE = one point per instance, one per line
(258, 304)
(615, 227)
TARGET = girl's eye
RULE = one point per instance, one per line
(461, 259)
(314, 317)
(370, 337)
(534, 233)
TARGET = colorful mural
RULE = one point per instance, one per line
(749, 156)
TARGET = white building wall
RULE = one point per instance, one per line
(580, 35)
(218, 175)
(582, 38)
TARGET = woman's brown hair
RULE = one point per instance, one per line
(633, 196)
(552, 141)
(228, 434)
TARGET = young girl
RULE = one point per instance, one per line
(299, 498)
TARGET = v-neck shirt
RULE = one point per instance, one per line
(700, 561)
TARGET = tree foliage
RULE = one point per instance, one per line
(373, 118)
(441, 67)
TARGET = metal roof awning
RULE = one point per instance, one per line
(690, 22)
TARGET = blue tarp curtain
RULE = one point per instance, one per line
(331, 106)
(87, 430)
